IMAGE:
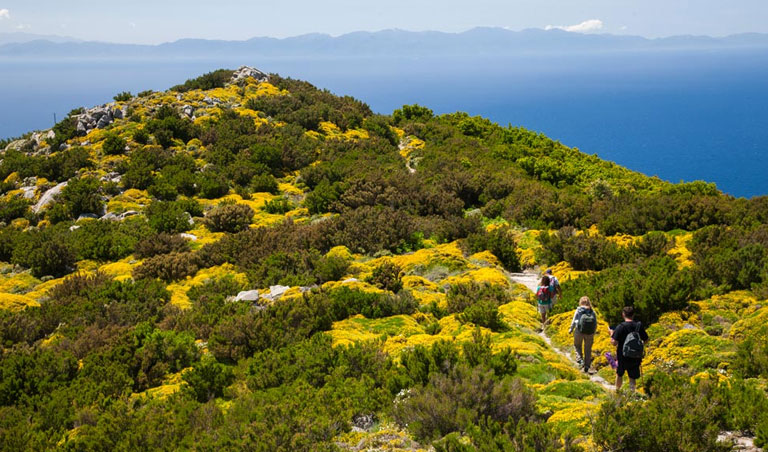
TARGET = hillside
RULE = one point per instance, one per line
(248, 262)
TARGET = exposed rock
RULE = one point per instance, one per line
(74, 227)
(364, 421)
(349, 280)
(28, 192)
(740, 442)
(188, 236)
(48, 197)
(275, 292)
(245, 71)
(247, 295)
(188, 111)
(87, 216)
(17, 145)
(110, 216)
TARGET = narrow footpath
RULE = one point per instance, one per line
(530, 279)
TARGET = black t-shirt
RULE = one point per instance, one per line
(622, 330)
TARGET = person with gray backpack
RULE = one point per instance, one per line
(629, 338)
(583, 327)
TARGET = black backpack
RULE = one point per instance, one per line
(633, 344)
(587, 323)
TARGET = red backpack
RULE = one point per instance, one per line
(543, 295)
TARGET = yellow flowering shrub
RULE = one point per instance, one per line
(14, 302)
(680, 250)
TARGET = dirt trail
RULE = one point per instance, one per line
(530, 279)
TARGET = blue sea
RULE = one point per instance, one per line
(681, 116)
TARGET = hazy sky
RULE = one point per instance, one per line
(154, 21)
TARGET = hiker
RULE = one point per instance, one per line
(554, 286)
(544, 299)
(629, 338)
(583, 327)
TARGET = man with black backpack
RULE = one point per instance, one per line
(629, 338)
(583, 327)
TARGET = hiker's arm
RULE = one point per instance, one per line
(573, 321)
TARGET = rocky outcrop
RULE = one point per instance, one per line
(99, 117)
(245, 72)
(48, 197)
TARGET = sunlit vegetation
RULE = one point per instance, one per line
(269, 266)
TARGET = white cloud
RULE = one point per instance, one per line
(23, 27)
(584, 27)
(132, 24)
(5, 14)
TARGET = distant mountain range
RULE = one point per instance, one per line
(21, 37)
(475, 42)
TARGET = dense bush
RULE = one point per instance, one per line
(388, 276)
(123, 96)
(229, 218)
(215, 79)
(160, 243)
(83, 196)
(653, 287)
(501, 243)
(460, 399)
(168, 267)
(169, 216)
(45, 252)
(105, 240)
(679, 415)
(114, 145)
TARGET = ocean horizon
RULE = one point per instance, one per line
(681, 116)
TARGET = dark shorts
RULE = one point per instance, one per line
(631, 366)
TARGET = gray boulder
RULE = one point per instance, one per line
(48, 197)
(247, 295)
(275, 292)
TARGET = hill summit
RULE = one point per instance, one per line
(246, 261)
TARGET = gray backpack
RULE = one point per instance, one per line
(633, 344)
(587, 323)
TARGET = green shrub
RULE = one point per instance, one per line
(499, 241)
(264, 183)
(161, 243)
(483, 313)
(464, 397)
(229, 218)
(212, 185)
(13, 208)
(168, 216)
(123, 96)
(83, 196)
(141, 136)
(413, 112)
(114, 145)
(103, 240)
(678, 416)
(207, 379)
(462, 296)
(168, 267)
(387, 276)
(210, 80)
(279, 206)
(45, 252)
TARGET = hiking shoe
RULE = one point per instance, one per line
(580, 362)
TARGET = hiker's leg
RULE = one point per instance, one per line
(588, 340)
(618, 382)
(578, 340)
(632, 384)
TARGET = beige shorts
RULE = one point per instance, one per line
(545, 308)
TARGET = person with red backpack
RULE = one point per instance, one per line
(583, 327)
(629, 337)
(554, 286)
(544, 299)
